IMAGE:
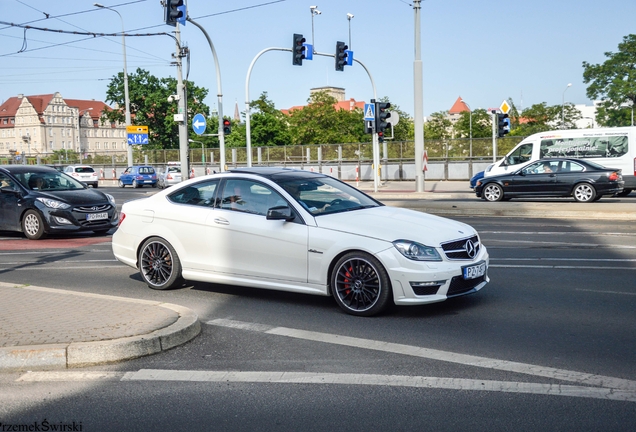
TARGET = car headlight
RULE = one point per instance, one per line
(417, 251)
(111, 198)
(54, 204)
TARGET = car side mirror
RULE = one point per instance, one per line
(504, 162)
(280, 213)
(522, 173)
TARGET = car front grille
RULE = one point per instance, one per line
(93, 209)
(457, 250)
(459, 285)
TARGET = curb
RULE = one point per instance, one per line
(80, 354)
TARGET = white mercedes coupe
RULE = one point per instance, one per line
(298, 231)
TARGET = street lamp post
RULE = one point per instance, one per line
(126, 95)
(563, 106)
(79, 134)
(314, 11)
(202, 149)
(349, 16)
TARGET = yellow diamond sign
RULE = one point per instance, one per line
(504, 108)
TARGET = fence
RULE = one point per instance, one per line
(455, 159)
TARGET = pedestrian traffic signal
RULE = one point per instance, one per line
(503, 125)
(298, 50)
(381, 118)
(176, 12)
(227, 127)
(341, 56)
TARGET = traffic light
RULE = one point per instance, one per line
(298, 50)
(381, 118)
(227, 127)
(341, 56)
(503, 125)
(176, 12)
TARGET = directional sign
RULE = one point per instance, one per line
(198, 124)
(369, 112)
(137, 135)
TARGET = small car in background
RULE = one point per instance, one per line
(138, 176)
(38, 200)
(170, 177)
(83, 173)
(553, 177)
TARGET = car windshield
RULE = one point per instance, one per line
(326, 195)
(84, 170)
(174, 169)
(48, 181)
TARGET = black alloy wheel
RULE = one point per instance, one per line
(360, 284)
(159, 264)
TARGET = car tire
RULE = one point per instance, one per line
(135, 185)
(32, 225)
(584, 192)
(121, 184)
(154, 185)
(159, 265)
(360, 284)
(95, 185)
(492, 192)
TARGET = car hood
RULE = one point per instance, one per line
(393, 223)
(75, 197)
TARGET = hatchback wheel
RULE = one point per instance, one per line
(120, 184)
(32, 225)
(135, 184)
(360, 284)
(584, 192)
(159, 264)
(493, 192)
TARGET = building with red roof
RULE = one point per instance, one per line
(41, 124)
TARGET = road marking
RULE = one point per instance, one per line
(560, 267)
(433, 354)
(275, 377)
(605, 292)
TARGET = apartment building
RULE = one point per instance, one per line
(41, 124)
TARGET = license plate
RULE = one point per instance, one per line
(96, 216)
(474, 271)
(147, 181)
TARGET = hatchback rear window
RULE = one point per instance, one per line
(84, 170)
(146, 170)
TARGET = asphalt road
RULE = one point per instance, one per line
(535, 349)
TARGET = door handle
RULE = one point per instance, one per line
(221, 221)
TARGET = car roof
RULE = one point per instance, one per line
(18, 169)
(278, 174)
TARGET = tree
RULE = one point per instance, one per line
(541, 117)
(149, 105)
(321, 123)
(438, 126)
(614, 82)
(481, 124)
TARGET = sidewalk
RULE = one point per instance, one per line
(45, 328)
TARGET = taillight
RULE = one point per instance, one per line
(614, 176)
(122, 216)
(169, 177)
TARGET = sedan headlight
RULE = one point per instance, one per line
(54, 204)
(417, 251)
(111, 199)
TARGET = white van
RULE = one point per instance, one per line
(610, 147)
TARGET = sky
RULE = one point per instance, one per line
(480, 50)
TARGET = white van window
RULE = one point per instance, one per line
(521, 155)
(585, 147)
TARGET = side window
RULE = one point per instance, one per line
(521, 155)
(574, 167)
(249, 196)
(199, 194)
(6, 182)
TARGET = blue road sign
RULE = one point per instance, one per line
(135, 138)
(369, 112)
(349, 57)
(198, 124)
(309, 51)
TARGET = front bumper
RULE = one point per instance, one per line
(422, 282)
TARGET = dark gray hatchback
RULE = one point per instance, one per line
(39, 200)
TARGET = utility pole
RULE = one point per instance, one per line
(418, 122)
(182, 114)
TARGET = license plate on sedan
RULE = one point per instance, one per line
(96, 216)
(474, 271)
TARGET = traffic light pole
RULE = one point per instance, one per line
(248, 137)
(494, 136)
(219, 98)
(183, 110)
